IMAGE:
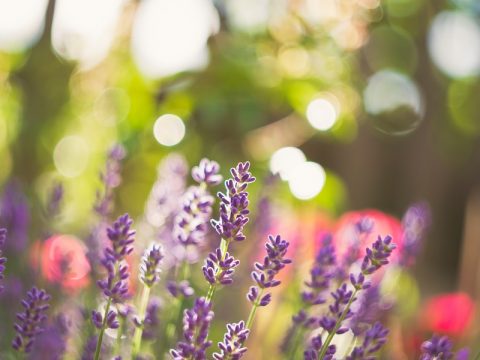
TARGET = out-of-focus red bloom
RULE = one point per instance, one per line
(450, 314)
(345, 233)
(63, 261)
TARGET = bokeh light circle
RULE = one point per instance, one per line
(71, 155)
(171, 36)
(321, 114)
(307, 180)
(394, 101)
(169, 130)
(454, 44)
(284, 160)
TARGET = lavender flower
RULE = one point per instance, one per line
(122, 237)
(437, 348)
(415, 223)
(234, 204)
(313, 350)
(191, 223)
(265, 272)
(15, 216)
(30, 321)
(111, 179)
(51, 343)
(89, 348)
(343, 298)
(232, 346)
(115, 285)
(207, 172)
(373, 340)
(3, 260)
(219, 269)
(111, 321)
(182, 288)
(338, 311)
(320, 274)
(149, 268)
(152, 321)
(196, 323)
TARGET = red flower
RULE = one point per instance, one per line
(449, 314)
(63, 261)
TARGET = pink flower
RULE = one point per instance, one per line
(449, 314)
(63, 261)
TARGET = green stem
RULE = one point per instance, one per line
(339, 322)
(253, 310)
(298, 334)
(102, 330)
(118, 341)
(137, 336)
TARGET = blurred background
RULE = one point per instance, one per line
(356, 104)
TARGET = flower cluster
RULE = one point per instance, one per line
(121, 237)
(232, 346)
(30, 321)
(191, 223)
(374, 339)
(196, 323)
(218, 268)
(265, 272)
(234, 204)
(207, 172)
(149, 268)
(340, 310)
(438, 347)
(3, 260)
(415, 223)
(312, 352)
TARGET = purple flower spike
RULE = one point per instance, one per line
(207, 172)
(234, 204)
(321, 273)
(111, 322)
(232, 346)
(218, 271)
(374, 339)
(313, 350)
(191, 223)
(122, 237)
(264, 273)
(3, 260)
(378, 255)
(196, 323)
(437, 348)
(181, 288)
(30, 321)
(415, 224)
(111, 179)
(115, 285)
(152, 321)
(341, 298)
(149, 268)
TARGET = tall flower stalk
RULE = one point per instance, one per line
(149, 276)
(233, 218)
(264, 276)
(339, 311)
(30, 321)
(115, 285)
